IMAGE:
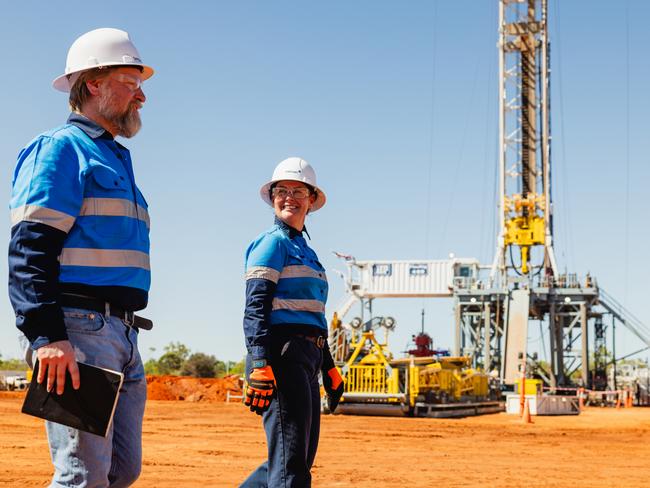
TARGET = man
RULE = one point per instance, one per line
(79, 253)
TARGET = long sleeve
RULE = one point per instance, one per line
(265, 259)
(259, 302)
(46, 198)
(34, 282)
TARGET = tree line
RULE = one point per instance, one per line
(178, 360)
(12, 364)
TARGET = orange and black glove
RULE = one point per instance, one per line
(332, 380)
(333, 383)
(260, 390)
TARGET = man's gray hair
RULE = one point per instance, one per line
(79, 93)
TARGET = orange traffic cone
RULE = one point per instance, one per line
(630, 400)
(526, 417)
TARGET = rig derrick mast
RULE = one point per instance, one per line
(492, 320)
(535, 291)
(485, 316)
(525, 212)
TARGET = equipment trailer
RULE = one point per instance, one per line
(433, 386)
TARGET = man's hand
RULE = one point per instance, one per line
(333, 383)
(54, 360)
(260, 390)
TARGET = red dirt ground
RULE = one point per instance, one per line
(210, 390)
(201, 444)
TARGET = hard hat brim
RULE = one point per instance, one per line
(62, 83)
(320, 194)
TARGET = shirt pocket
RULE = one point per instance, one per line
(108, 180)
(109, 203)
(295, 256)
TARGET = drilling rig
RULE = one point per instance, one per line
(495, 305)
(493, 315)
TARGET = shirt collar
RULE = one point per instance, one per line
(91, 128)
(290, 230)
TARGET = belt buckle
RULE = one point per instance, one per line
(129, 318)
(320, 342)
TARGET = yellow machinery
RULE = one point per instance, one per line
(368, 373)
(449, 379)
(524, 226)
(375, 383)
(532, 386)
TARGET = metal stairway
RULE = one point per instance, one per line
(627, 318)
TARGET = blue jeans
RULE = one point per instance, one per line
(292, 423)
(86, 460)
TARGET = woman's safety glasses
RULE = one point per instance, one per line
(296, 193)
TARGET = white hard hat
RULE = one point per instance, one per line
(97, 48)
(294, 169)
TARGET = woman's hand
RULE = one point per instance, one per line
(260, 390)
(333, 383)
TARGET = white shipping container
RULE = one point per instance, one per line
(406, 278)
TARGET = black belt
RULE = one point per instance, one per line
(318, 340)
(88, 303)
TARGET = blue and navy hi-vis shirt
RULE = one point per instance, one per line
(79, 225)
(286, 286)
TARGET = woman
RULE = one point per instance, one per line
(286, 331)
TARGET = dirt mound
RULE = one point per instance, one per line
(184, 388)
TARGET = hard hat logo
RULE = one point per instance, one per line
(100, 48)
(294, 169)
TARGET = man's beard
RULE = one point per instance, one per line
(127, 122)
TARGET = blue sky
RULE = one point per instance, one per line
(375, 95)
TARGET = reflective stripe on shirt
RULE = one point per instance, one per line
(104, 258)
(263, 272)
(298, 305)
(301, 271)
(114, 207)
(42, 215)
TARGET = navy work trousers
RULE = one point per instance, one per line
(292, 423)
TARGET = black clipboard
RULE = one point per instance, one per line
(90, 408)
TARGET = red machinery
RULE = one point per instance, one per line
(424, 345)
